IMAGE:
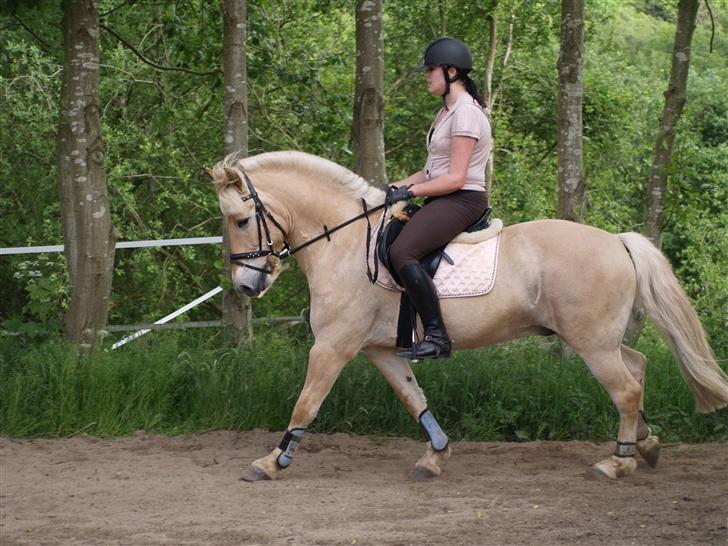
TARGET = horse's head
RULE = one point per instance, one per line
(256, 236)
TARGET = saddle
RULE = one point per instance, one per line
(407, 321)
(431, 262)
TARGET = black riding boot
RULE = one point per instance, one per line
(421, 290)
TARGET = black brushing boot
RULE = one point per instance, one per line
(421, 290)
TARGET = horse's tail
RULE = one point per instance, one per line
(669, 308)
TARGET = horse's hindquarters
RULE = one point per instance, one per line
(553, 276)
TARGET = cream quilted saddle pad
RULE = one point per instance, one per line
(472, 273)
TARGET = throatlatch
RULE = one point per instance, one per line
(288, 446)
(438, 439)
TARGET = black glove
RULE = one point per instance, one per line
(395, 194)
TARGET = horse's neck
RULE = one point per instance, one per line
(314, 207)
(343, 253)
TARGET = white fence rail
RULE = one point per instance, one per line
(161, 324)
(198, 324)
(120, 244)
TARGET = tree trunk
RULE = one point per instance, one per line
(441, 9)
(236, 308)
(675, 98)
(368, 123)
(571, 202)
(87, 229)
(489, 96)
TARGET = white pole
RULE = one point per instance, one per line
(169, 317)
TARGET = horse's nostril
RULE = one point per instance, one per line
(247, 290)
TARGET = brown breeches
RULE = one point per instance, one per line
(436, 224)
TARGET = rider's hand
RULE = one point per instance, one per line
(395, 194)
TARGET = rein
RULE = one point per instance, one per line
(261, 213)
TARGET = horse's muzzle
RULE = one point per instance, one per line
(248, 290)
(252, 285)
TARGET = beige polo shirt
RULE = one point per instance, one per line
(465, 118)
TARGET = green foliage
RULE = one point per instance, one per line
(45, 279)
(161, 129)
(175, 383)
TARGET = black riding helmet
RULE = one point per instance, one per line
(448, 51)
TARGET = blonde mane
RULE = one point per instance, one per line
(315, 167)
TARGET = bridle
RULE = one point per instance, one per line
(262, 213)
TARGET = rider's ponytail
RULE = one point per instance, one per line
(472, 89)
(468, 82)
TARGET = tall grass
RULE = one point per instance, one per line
(172, 383)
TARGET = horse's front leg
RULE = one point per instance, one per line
(324, 366)
(398, 373)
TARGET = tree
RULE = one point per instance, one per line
(368, 123)
(490, 95)
(87, 227)
(571, 200)
(236, 310)
(163, 114)
(675, 98)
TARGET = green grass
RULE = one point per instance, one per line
(173, 383)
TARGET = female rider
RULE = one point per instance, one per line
(458, 147)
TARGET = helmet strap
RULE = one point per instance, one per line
(448, 81)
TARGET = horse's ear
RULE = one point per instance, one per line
(233, 177)
(219, 179)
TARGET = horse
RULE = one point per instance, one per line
(553, 277)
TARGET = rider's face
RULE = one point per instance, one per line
(435, 80)
(436, 84)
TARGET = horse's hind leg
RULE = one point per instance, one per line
(648, 445)
(398, 373)
(626, 393)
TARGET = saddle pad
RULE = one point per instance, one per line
(472, 274)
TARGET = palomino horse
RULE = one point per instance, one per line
(553, 277)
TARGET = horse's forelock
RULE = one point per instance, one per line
(219, 180)
(230, 202)
(226, 190)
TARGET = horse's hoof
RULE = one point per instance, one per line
(599, 474)
(421, 474)
(649, 448)
(254, 474)
(614, 467)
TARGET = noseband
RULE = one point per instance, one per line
(261, 213)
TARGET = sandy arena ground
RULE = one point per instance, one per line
(341, 489)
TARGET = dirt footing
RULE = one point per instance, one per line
(148, 490)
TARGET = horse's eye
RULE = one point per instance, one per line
(242, 223)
